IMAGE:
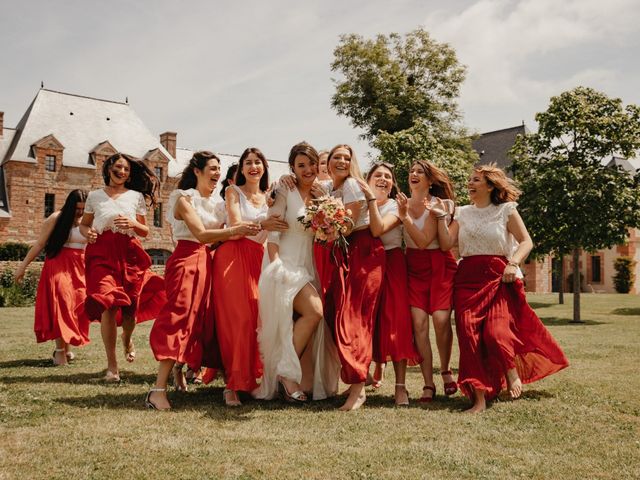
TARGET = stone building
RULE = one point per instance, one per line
(595, 267)
(61, 143)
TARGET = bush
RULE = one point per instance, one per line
(15, 251)
(14, 295)
(623, 279)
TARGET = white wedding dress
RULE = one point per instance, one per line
(280, 282)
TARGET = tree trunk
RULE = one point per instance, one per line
(576, 286)
(561, 282)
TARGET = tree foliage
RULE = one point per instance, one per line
(624, 277)
(403, 91)
(571, 201)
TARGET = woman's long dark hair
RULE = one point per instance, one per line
(241, 179)
(231, 174)
(199, 160)
(441, 185)
(141, 178)
(63, 225)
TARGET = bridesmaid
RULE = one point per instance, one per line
(393, 334)
(430, 271)
(236, 271)
(61, 288)
(502, 340)
(351, 297)
(290, 307)
(178, 334)
(116, 264)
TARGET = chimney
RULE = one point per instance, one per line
(1, 123)
(168, 141)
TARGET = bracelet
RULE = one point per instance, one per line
(513, 264)
(371, 200)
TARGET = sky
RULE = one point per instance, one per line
(227, 75)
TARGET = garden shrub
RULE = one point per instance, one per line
(624, 278)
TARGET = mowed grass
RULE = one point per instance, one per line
(581, 423)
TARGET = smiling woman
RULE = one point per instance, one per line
(120, 288)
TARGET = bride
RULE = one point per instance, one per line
(291, 324)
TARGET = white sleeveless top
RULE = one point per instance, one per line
(105, 209)
(76, 239)
(419, 223)
(250, 213)
(350, 192)
(483, 231)
(393, 238)
(205, 207)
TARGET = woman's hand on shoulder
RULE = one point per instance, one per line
(274, 223)
(289, 181)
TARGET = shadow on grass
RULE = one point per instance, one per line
(626, 311)
(557, 321)
(27, 362)
(534, 395)
(536, 305)
(67, 375)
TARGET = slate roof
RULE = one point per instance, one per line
(622, 162)
(493, 147)
(80, 123)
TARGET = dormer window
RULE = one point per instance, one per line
(50, 163)
(158, 172)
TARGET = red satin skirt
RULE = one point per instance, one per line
(498, 330)
(431, 274)
(61, 290)
(351, 299)
(236, 271)
(179, 331)
(393, 335)
(118, 276)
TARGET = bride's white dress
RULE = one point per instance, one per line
(280, 282)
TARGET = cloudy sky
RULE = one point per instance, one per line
(227, 75)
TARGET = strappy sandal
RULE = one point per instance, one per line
(111, 377)
(402, 404)
(424, 398)
(450, 388)
(149, 404)
(234, 401)
(53, 358)
(296, 397)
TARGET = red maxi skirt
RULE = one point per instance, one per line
(431, 273)
(179, 331)
(351, 300)
(118, 275)
(393, 335)
(61, 290)
(236, 271)
(498, 330)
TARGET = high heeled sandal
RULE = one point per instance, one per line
(450, 388)
(177, 373)
(404, 387)
(53, 357)
(296, 397)
(425, 399)
(234, 402)
(149, 404)
(193, 377)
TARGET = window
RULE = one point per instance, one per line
(157, 216)
(49, 204)
(158, 257)
(158, 172)
(596, 269)
(50, 163)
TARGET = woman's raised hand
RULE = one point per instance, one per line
(366, 189)
(403, 209)
(439, 209)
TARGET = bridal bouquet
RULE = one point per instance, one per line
(329, 221)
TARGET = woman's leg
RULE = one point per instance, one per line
(128, 325)
(356, 398)
(420, 320)
(479, 402)
(401, 394)
(444, 341)
(158, 397)
(60, 353)
(109, 332)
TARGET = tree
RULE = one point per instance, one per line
(571, 201)
(403, 92)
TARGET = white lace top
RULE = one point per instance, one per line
(105, 209)
(393, 238)
(76, 239)
(206, 208)
(350, 192)
(419, 223)
(250, 213)
(483, 231)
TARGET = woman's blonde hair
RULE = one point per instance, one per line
(354, 168)
(504, 189)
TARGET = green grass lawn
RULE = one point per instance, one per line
(581, 423)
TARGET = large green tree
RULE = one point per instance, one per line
(403, 92)
(571, 201)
